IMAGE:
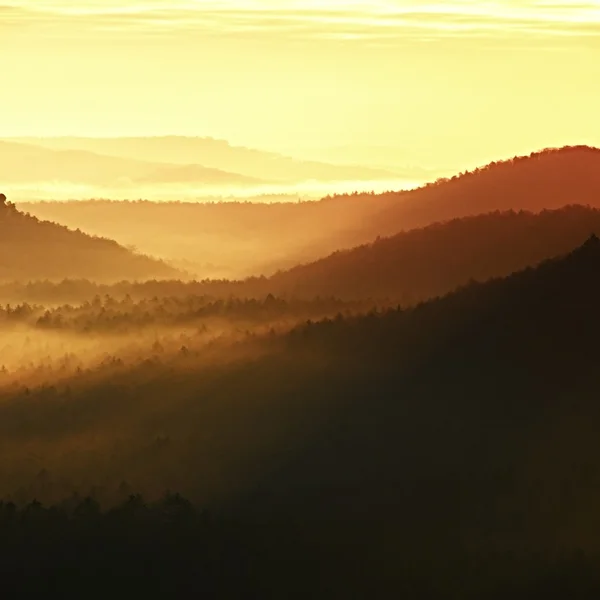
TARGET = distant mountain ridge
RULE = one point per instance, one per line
(29, 163)
(210, 153)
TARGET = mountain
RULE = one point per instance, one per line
(238, 239)
(548, 179)
(472, 384)
(31, 164)
(182, 174)
(32, 249)
(445, 451)
(461, 432)
(422, 263)
(218, 239)
(214, 154)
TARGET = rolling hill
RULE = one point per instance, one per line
(547, 179)
(240, 239)
(411, 266)
(450, 449)
(421, 263)
(32, 249)
(469, 399)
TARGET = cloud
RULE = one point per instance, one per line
(375, 20)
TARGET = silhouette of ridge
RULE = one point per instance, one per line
(467, 424)
(262, 238)
(592, 243)
(484, 366)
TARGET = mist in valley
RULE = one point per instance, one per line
(300, 302)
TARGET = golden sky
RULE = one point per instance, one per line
(455, 80)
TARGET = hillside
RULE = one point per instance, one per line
(422, 263)
(33, 249)
(464, 433)
(548, 179)
(228, 239)
(449, 449)
(406, 268)
(235, 240)
(468, 428)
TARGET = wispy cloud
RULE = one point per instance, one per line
(383, 19)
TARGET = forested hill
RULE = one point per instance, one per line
(422, 263)
(406, 268)
(481, 403)
(237, 239)
(548, 179)
(449, 449)
(32, 249)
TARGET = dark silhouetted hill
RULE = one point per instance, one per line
(470, 422)
(445, 451)
(33, 249)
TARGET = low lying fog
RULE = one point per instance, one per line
(308, 190)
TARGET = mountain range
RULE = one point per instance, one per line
(422, 263)
(161, 160)
(236, 240)
(460, 432)
(439, 443)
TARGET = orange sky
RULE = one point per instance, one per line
(440, 83)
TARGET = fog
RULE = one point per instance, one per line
(285, 192)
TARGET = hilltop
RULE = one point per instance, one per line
(547, 179)
(33, 249)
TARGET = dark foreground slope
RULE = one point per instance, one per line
(447, 451)
(33, 249)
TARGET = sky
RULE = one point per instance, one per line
(431, 83)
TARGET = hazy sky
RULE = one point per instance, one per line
(459, 79)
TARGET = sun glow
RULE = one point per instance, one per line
(430, 80)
